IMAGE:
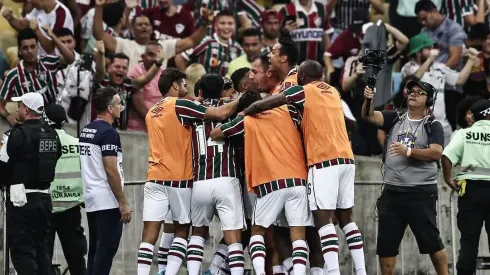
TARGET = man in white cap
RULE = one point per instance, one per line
(32, 151)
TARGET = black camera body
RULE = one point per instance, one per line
(373, 61)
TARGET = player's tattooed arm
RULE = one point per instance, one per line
(265, 104)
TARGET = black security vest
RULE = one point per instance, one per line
(41, 150)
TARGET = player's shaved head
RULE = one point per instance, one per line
(309, 70)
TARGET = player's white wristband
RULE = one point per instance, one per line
(409, 151)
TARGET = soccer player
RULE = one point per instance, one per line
(275, 170)
(216, 187)
(330, 160)
(169, 177)
(283, 59)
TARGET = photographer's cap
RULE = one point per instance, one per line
(33, 101)
(359, 18)
(480, 109)
(419, 42)
(426, 87)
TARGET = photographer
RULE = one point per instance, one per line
(413, 146)
(354, 79)
(471, 148)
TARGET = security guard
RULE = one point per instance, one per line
(67, 196)
(33, 149)
(471, 148)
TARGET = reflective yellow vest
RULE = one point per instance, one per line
(67, 187)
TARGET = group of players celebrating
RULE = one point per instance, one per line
(281, 163)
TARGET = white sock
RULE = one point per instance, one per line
(257, 254)
(145, 258)
(316, 271)
(300, 257)
(354, 241)
(236, 259)
(279, 270)
(330, 248)
(165, 243)
(219, 258)
(288, 265)
(195, 253)
(176, 255)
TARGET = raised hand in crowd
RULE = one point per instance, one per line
(47, 29)
(8, 13)
(99, 47)
(131, 4)
(33, 25)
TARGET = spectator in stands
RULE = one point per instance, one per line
(142, 31)
(347, 44)
(149, 95)
(403, 17)
(47, 13)
(271, 27)
(308, 23)
(33, 73)
(216, 52)
(194, 72)
(116, 78)
(479, 80)
(246, 12)
(252, 46)
(424, 65)
(464, 117)
(464, 12)
(112, 20)
(447, 34)
(345, 10)
(169, 21)
(78, 74)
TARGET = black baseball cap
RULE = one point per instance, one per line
(426, 87)
(359, 18)
(55, 114)
(480, 109)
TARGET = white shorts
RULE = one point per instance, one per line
(222, 196)
(293, 201)
(159, 200)
(249, 199)
(332, 187)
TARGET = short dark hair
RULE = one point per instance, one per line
(197, 87)
(63, 32)
(463, 107)
(224, 13)
(115, 56)
(425, 5)
(247, 99)
(237, 77)
(103, 98)
(113, 13)
(138, 16)
(252, 32)
(154, 43)
(264, 59)
(289, 48)
(212, 85)
(26, 35)
(168, 77)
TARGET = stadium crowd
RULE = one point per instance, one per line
(155, 65)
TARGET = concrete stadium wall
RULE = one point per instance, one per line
(368, 189)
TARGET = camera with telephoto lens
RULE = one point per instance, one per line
(373, 62)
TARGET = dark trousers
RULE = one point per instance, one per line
(28, 230)
(68, 226)
(473, 211)
(105, 230)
